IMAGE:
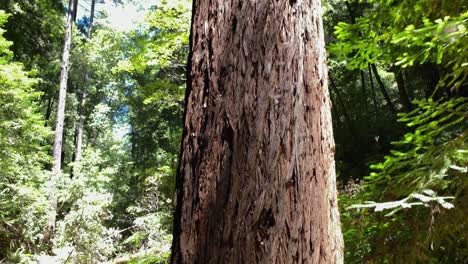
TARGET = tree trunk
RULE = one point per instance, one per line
(57, 148)
(363, 90)
(404, 99)
(431, 77)
(91, 19)
(50, 103)
(382, 89)
(343, 106)
(79, 128)
(371, 81)
(256, 182)
(75, 9)
(336, 115)
(81, 110)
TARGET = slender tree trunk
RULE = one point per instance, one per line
(352, 17)
(383, 89)
(57, 148)
(48, 112)
(431, 76)
(404, 99)
(81, 111)
(363, 90)
(343, 106)
(256, 182)
(336, 114)
(75, 9)
(91, 19)
(79, 128)
(371, 81)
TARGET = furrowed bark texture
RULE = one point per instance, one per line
(256, 182)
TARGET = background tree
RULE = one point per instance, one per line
(57, 147)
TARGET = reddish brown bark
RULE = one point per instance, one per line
(256, 182)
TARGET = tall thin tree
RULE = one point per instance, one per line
(256, 182)
(84, 94)
(383, 89)
(371, 81)
(58, 139)
(404, 98)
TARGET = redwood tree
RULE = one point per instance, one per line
(256, 182)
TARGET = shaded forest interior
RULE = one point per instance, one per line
(101, 188)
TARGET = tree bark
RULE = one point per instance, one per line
(383, 90)
(256, 182)
(58, 140)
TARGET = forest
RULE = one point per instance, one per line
(233, 131)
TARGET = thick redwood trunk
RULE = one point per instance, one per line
(58, 140)
(256, 182)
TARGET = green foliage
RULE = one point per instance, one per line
(378, 34)
(425, 156)
(88, 197)
(22, 154)
(151, 239)
(151, 259)
(443, 42)
(170, 23)
(428, 168)
(36, 29)
(407, 33)
(410, 208)
(117, 200)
